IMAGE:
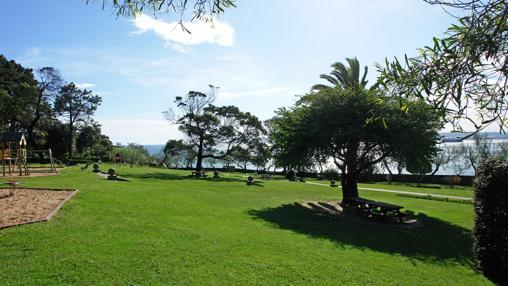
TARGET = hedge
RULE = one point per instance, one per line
(490, 233)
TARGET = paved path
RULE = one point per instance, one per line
(401, 192)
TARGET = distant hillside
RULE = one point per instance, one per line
(457, 136)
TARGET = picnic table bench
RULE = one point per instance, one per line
(198, 173)
(374, 208)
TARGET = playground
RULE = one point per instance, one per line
(15, 157)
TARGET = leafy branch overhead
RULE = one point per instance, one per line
(464, 74)
(200, 9)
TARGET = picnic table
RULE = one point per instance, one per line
(374, 208)
(198, 173)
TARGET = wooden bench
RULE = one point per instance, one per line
(374, 208)
(198, 174)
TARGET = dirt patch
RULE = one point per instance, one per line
(4, 193)
(31, 205)
(334, 209)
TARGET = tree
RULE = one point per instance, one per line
(443, 157)
(261, 156)
(76, 106)
(242, 157)
(358, 128)
(465, 74)
(212, 131)
(344, 76)
(57, 139)
(25, 99)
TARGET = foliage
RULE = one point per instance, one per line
(76, 106)
(469, 155)
(290, 175)
(29, 101)
(443, 157)
(91, 142)
(57, 139)
(490, 244)
(213, 131)
(418, 166)
(202, 9)
(331, 174)
(287, 148)
(177, 154)
(133, 154)
(17, 92)
(242, 157)
(345, 76)
(464, 74)
(261, 156)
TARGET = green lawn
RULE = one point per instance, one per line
(166, 229)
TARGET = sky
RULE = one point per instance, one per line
(261, 54)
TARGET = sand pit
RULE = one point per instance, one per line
(29, 205)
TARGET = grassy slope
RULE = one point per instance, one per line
(163, 229)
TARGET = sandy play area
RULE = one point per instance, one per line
(31, 205)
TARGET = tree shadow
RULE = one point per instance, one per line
(436, 241)
(256, 184)
(171, 177)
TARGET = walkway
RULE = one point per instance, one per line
(401, 192)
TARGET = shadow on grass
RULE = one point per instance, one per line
(437, 241)
(165, 176)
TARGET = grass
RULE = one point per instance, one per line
(165, 228)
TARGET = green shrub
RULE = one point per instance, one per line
(291, 175)
(490, 233)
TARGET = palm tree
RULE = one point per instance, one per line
(344, 77)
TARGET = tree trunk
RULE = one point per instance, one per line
(199, 163)
(390, 174)
(349, 187)
(435, 170)
(70, 139)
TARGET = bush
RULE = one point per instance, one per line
(490, 233)
(111, 172)
(331, 174)
(291, 175)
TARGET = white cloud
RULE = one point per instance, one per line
(218, 32)
(85, 85)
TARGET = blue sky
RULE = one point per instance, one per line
(261, 53)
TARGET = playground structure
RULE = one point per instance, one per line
(14, 154)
